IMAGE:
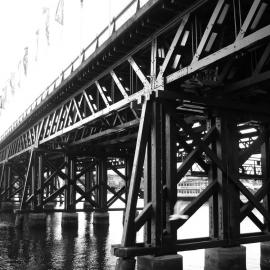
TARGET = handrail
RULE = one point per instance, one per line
(74, 65)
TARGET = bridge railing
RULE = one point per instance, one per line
(104, 35)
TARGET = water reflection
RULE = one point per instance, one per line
(68, 238)
(101, 254)
(86, 247)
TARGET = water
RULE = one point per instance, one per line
(88, 247)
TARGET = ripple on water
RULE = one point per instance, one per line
(88, 247)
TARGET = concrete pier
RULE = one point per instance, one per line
(6, 207)
(168, 262)
(87, 206)
(49, 206)
(125, 264)
(19, 218)
(265, 256)
(37, 220)
(225, 258)
(69, 220)
(101, 218)
(7, 219)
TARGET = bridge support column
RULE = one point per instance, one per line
(101, 218)
(265, 158)
(160, 171)
(69, 220)
(168, 262)
(125, 264)
(40, 184)
(155, 154)
(224, 206)
(128, 169)
(101, 215)
(225, 258)
(49, 205)
(34, 180)
(88, 185)
(19, 218)
(6, 204)
(70, 217)
(265, 256)
(37, 220)
(8, 183)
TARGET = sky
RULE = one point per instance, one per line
(23, 24)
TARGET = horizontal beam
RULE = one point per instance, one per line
(230, 50)
(107, 132)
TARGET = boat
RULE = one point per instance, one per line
(190, 187)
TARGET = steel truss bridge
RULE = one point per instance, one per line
(180, 82)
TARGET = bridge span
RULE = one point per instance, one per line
(181, 84)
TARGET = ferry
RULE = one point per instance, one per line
(190, 187)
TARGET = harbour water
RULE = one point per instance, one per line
(88, 247)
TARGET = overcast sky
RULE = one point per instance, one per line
(23, 24)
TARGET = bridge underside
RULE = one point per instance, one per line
(182, 88)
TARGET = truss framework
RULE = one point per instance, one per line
(182, 60)
(196, 92)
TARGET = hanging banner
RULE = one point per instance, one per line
(59, 14)
(25, 61)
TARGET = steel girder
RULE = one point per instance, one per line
(209, 63)
(58, 178)
(203, 60)
(217, 148)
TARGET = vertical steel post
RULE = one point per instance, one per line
(170, 196)
(128, 170)
(213, 200)
(5, 182)
(34, 182)
(71, 185)
(228, 151)
(40, 181)
(9, 175)
(147, 189)
(156, 175)
(102, 179)
(70, 193)
(265, 163)
(88, 184)
(87, 181)
(2, 180)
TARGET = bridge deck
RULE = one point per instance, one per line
(104, 89)
(181, 81)
(70, 91)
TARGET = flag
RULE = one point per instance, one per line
(19, 70)
(3, 96)
(12, 83)
(37, 44)
(59, 14)
(46, 12)
(25, 61)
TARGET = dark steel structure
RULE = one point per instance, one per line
(180, 83)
